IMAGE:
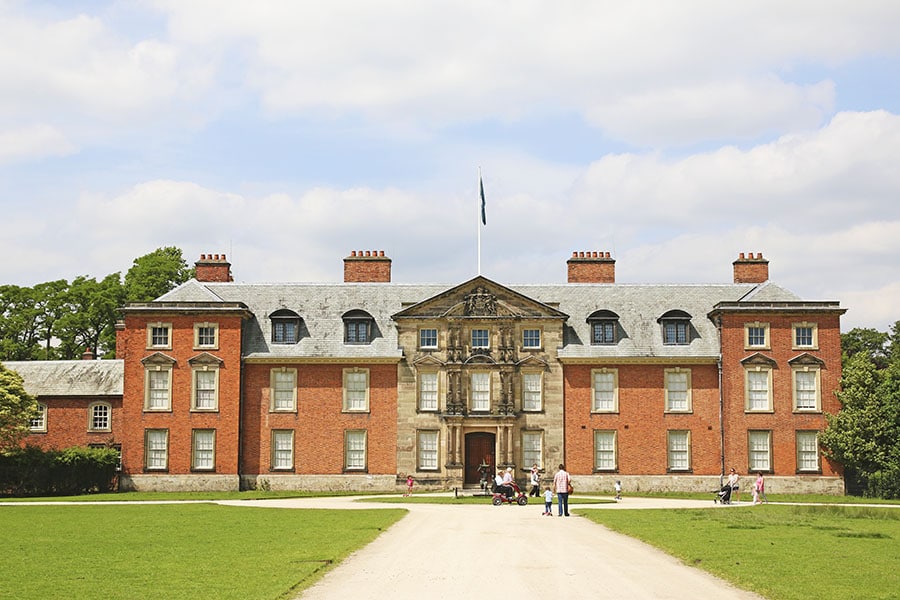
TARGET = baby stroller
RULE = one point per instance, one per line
(723, 495)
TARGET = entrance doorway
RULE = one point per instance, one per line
(480, 451)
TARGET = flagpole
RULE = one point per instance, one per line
(478, 217)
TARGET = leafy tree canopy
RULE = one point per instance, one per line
(17, 408)
(865, 435)
(154, 274)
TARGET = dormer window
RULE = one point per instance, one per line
(604, 327)
(285, 326)
(358, 327)
(676, 328)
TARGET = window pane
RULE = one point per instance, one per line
(676, 391)
(204, 449)
(806, 390)
(428, 391)
(157, 448)
(159, 390)
(206, 336)
(759, 450)
(428, 338)
(356, 449)
(100, 414)
(481, 391)
(479, 338)
(604, 392)
(605, 450)
(531, 338)
(679, 451)
(531, 391)
(756, 336)
(283, 392)
(283, 449)
(284, 331)
(804, 336)
(531, 448)
(205, 393)
(428, 450)
(159, 336)
(356, 390)
(758, 389)
(357, 331)
(807, 451)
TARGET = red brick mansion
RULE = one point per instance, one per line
(354, 385)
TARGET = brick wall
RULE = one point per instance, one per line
(367, 266)
(320, 422)
(68, 421)
(181, 421)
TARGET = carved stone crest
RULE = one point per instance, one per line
(481, 302)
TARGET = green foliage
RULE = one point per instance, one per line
(17, 408)
(154, 274)
(865, 435)
(31, 471)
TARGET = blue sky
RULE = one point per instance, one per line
(287, 134)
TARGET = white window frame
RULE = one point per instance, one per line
(151, 339)
(533, 448)
(805, 450)
(814, 345)
(153, 400)
(156, 449)
(609, 402)
(801, 377)
(487, 338)
(428, 391)
(356, 390)
(199, 375)
(356, 449)
(203, 344)
(532, 339)
(282, 450)
(203, 450)
(93, 409)
(480, 391)
(759, 450)
(678, 450)
(672, 381)
(282, 398)
(753, 393)
(38, 424)
(765, 345)
(422, 335)
(606, 453)
(532, 391)
(428, 443)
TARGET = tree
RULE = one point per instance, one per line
(91, 315)
(17, 409)
(871, 342)
(154, 274)
(865, 435)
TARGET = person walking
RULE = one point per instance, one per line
(733, 483)
(561, 483)
(535, 481)
(618, 488)
(409, 485)
(548, 502)
(760, 487)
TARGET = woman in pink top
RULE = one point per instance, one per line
(561, 484)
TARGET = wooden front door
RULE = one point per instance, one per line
(480, 451)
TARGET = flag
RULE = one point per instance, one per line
(481, 189)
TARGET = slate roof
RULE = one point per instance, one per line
(321, 307)
(92, 378)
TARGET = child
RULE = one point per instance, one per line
(409, 484)
(548, 503)
(618, 490)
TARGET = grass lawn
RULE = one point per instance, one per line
(175, 496)
(193, 551)
(781, 552)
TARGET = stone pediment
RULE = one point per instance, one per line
(534, 362)
(205, 359)
(158, 359)
(480, 298)
(760, 360)
(806, 359)
(427, 361)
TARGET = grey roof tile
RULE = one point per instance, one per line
(70, 377)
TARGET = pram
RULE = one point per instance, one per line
(723, 495)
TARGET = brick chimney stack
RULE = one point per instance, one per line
(371, 266)
(591, 267)
(88, 354)
(213, 268)
(751, 269)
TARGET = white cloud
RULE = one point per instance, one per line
(28, 143)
